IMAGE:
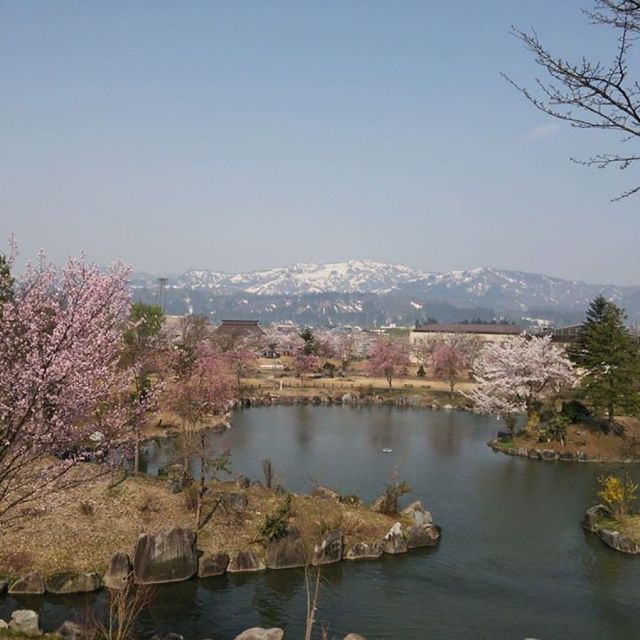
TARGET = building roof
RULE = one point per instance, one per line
(237, 329)
(487, 329)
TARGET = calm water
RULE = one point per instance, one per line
(513, 561)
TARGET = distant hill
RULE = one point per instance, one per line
(370, 293)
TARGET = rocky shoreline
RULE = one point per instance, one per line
(551, 455)
(600, 515)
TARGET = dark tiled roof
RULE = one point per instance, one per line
(491, 329)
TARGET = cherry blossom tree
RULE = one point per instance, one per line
(61, 386)
(452, 357)
(304, 363)
(238, 361)
(386, 357)
(345, 348)
(203, 392)
(515, 376)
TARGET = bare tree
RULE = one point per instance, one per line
(591, 94)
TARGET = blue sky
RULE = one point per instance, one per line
(240, 135)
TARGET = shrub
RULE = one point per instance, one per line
(557, 429)
(575, 411)
(392, 494)
(275, 525)
(86, 508)
(618, 493)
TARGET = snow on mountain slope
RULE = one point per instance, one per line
(486, 286)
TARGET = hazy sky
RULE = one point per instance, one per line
(240, 135)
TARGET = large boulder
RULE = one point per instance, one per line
(166, 556)
(29, 584)
(3, 625)
(418, 514)
(118, 572)
(26, 622)
(287, 552)
(70, 630)
(213, 565)
(325, 493)
(261, 634)
(328, 549)
(427, 535)
(245, 561)
(236, 501)
(594, 515)
(364, 551)
(618, 541)
(394, 542)
(63, 583)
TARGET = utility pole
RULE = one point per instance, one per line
(162, 281)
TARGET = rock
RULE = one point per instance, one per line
(4, 585)
(566, 456)
(549, 454)
(213, 565)
(581, 456)
(617, 541)
(427, 535)
(236, 501)
(281, 491)
(594, 515)
(245, 561)
(329, 549)
(534, 454)
(350, 398)
(30, 584)
(118, 572)
(3, 625)
(418, 514)
(167, 636)
(378, 504)
(166, 556)
(26, 622)
(62, 583)
(176, 478)
(287, 552)
(522, 452)
(448, 407)
(354, 636)
(258, 633)
(242, 482)
(394, 542)
(70, 630)
(325, 493)
(364, 551)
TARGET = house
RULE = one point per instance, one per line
(231, 332)
(482, 332)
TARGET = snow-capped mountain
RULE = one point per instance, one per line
(335, 290)
(362, 276)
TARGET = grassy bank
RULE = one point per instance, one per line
(91, 522)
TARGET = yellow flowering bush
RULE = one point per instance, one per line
(618, 493)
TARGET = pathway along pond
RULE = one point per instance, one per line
(513, 561)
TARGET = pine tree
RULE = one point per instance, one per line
(309, 341)
(609, 356)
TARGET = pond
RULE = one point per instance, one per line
(513, 561)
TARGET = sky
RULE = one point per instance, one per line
(242, 135)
